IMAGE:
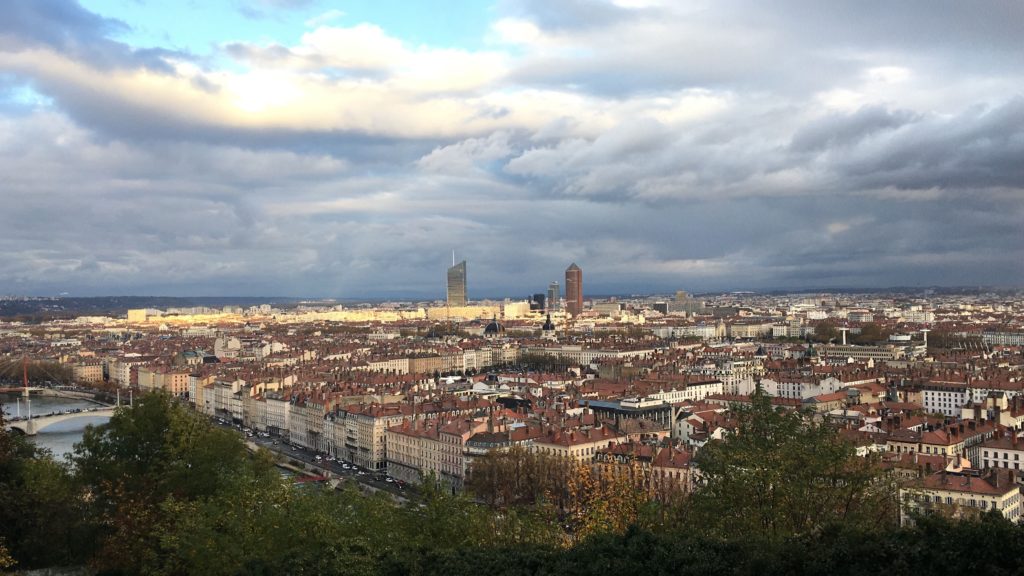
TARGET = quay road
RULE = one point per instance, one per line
(333, 469)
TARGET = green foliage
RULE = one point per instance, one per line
(825, 331)
(870, 333)
(159, 491)
(160, 448)
(39, 508)
(784, 474)
(135, 468)
(255, 528)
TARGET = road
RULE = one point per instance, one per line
(331, 469)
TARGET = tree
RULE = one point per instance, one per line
(42, 521)
(825, 331)
(869, 334)
(606, 498)
(146, 457)
(517, 477)
(783, 474)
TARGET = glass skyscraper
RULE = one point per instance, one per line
(457, 284)
(554, 295)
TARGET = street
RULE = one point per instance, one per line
(325, 466)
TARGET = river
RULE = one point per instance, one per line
(59, 438)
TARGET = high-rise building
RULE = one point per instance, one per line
(554, 295)
(537, 302)
(574, 289)
(684, 303)
(457, 284)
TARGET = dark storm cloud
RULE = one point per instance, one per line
(840, 130)
(979, 148)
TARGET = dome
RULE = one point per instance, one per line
(548, 326)
(494, 328)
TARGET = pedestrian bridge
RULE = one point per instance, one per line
(31, 427)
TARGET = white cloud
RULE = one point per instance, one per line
(321, 19)
(888, 74)
(466, 156)
(516, 31)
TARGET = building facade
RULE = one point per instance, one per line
(574, 289)
(457, 284)
(554, 295)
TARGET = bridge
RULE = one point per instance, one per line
(23, 390)
(32, 426)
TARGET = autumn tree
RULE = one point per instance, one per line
(517, 477)
(605, 498)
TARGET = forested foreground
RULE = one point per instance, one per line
(161, 491)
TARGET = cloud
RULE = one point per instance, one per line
(475, 155)
(843, 130)
(66, 27)
(701, 146)
(261, 9)
(321, 19)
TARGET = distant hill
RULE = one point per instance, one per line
(32, 308)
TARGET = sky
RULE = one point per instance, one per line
(316, 148)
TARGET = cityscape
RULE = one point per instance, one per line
(734, 287)
(400, 397)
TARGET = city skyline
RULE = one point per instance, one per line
(307, 148)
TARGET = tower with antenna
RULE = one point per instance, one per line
(457, 283)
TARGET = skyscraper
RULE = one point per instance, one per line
(574, 289)
(537, 302)
(457, 284)
(554, 295)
